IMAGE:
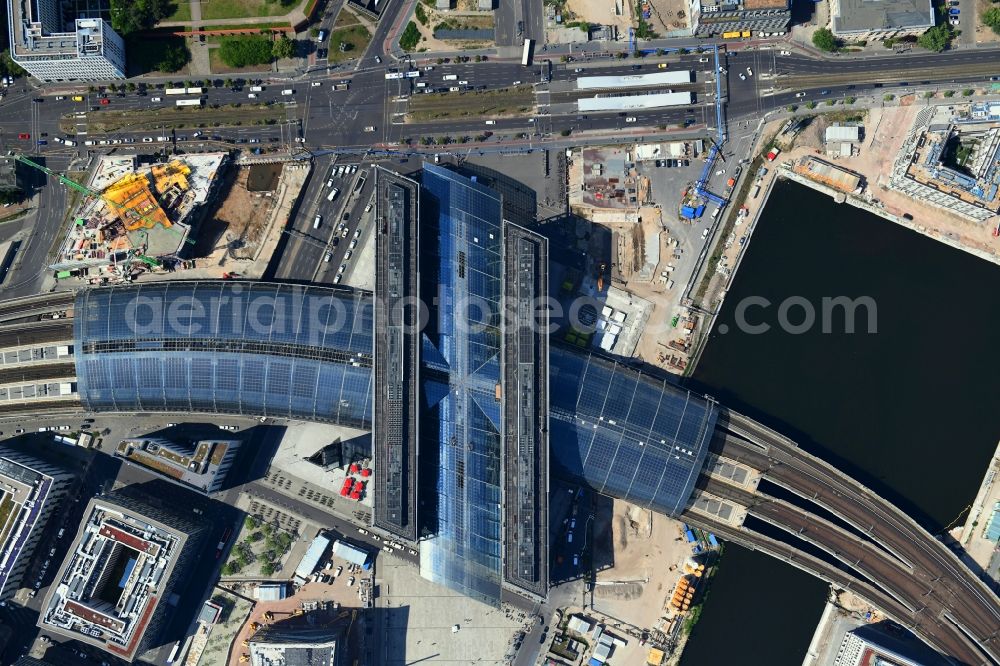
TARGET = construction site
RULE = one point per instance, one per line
(134, 218)
(630, 204)
(198, 214)
(656, 579)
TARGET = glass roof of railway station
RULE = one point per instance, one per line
(625, 433)
(257, 349)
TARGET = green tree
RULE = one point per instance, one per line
(968, 92)
(810, 105)
(421, 14)
(130, 86)
(128, 16)
(929, 94)
(889, 97)
(230, 568)
(410, 38)
(251, 523)
(174, 58)
(229, 84)
(8, 67)
(565, 132)
(824, 40)
(283, 48)
(949, 93)
(991, 17)
(936, 39)
(113, 87)
(850, 100)
(267, 568)
(255, 536)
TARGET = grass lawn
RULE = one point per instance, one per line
(281, 25)
(515, 101)
(181, 11)
(225, 9)
(219, 67)
(345, 18)
(357, 36)
(175, 117)
(144, 54)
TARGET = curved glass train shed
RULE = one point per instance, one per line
(625, 433)
(251, 348)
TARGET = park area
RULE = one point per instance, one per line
(350, 32)
(166, 55)
(227, 9)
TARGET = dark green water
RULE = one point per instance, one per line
(909, 410)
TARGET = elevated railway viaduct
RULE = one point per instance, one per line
(869, 546)
(829, 525)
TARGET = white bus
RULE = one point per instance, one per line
(175, 91)
(194, 91)
(393, 75)
(189, 102)
(412, 74)
(526, 55)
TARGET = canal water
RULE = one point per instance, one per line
(909, 408)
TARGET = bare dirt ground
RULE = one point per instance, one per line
(244, 213)
(669, 15)
(648, 551)
(984, 33)
(605, 12)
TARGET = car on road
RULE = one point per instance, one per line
(578, 70)
(954, 11)
(412, 552)
(800, 94)
(105, 101)
(19, 431)
(328, 257)
(336, 279)
(742, 78)
(350, 581)
(378, 59)
(60, 98)
(824, 92)
(702, 59)
(317, 84)
(662, 65)
(630, 119)
(361, 530)
(348, 255)
(147, 139)
(369, 128)
(636, 67)
(343, 267)
(749, 72)
(23, 135)
(357, 232)
(354, 244)
(785, 53)
(491, 122)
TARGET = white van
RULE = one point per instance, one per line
(491, 122)
(256, 88)
(450, 77)
(316, 222)
(252, 96)
(333, 194)
(287, 91)
(715, 213)
(89, 143)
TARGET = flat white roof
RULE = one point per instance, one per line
(633, 80)
(653, 101)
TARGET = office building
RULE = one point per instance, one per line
(483, 433)
(201, 465)
(30, 491)
(880, 19)
(870, 645)
(51, 48)
(300, 643)
(127, 557)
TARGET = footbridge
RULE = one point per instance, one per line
(834, 527)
